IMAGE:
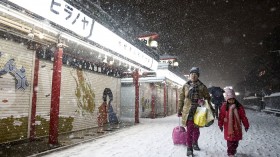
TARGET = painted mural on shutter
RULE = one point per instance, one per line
(80, 96)
(87, 117)
(16, 69)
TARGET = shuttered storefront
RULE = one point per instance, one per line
(16, 64)
(145, 100)
(86, 117)
(80, 96)
(43, 98)
(127, 102)
(159, 109)
(171, 100)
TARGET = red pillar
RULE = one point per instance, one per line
(34, 100)
(55, 96)
(164, 99)
(136, 84)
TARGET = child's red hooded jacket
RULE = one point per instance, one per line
(230, 118)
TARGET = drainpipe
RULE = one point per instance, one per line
(135, 76)
(164, 99)
(55, 96)
(153, 100)
(34, 99)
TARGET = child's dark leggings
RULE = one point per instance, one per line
(232, 146)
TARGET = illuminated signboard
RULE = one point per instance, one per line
(105, 37)
(61, 13)
(65, 15)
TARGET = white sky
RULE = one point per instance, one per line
(153, 138)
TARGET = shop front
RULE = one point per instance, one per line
(55, 74)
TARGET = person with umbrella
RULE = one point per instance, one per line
(217, 98)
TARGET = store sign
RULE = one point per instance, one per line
(65, 15)
(107, 38)
(60, 13)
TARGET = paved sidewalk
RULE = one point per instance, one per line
(40, 146)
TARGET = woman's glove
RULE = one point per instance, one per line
(221, 128)
(246, 129)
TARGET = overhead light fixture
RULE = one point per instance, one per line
(129, 68)
(140, 71)
(105, 60)
(175, 64)
(111, 62)
(154, 43)
(41, 35)
(31, 34)
(99, 56)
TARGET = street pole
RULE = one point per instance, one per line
(135, 76)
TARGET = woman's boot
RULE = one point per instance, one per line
(189, 151)
(195, 147)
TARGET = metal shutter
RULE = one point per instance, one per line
(72, 116)
(15, 103)
(127, 102)
(159, 109)
(145, 100)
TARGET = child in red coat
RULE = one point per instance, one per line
(231, 115)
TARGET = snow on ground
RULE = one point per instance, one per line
(153, 138)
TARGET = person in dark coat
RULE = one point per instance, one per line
(217, 98)
(230, 118)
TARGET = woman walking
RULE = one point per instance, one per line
(192, 92)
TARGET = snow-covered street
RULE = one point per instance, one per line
(153, 138)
